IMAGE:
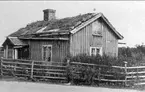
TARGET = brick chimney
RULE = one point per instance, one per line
(49, 14)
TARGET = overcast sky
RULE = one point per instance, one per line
(128, 17)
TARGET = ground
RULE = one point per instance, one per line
(14, 86)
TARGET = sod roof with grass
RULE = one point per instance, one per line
(65, 25)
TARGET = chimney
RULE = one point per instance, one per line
(49, 14)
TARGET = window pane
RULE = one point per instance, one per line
(93, 51)
(44, 53)
(10, 53)
(97, 51)
(47, 50)
(49, 54)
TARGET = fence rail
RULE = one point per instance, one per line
(40, 70)
(33, 69)
(130, 75)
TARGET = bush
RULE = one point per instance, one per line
(81, 74)
(100, 60)
(84, 74)
(134, 56)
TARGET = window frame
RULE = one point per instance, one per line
(47, 46)
(100, 52)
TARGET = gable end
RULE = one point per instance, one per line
(119, 36)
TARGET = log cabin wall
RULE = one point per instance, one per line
(59, 49)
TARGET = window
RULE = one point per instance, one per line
(95, 51)
(10, 53)
(97, 28)
(47, 52)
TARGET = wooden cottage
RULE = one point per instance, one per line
(53, 39)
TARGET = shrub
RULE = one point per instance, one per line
(134, 56)
(84, 74)
(100, 60)
(81, 74)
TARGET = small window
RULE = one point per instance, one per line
(97, 28)
(47, 52)
(95, 51)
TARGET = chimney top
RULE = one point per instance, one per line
(49, 14)
(49, 10)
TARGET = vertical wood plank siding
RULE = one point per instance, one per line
(59, 49)
(81, 41)
(110, 41)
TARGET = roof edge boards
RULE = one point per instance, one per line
(93, 19)
(85, 23)
(44, 38)
(117, 33)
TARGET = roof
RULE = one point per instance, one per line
(65, 25)
(14, 41)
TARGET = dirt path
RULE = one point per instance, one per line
(12, 86)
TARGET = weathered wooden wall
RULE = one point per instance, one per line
(60, 49)
(110, 41)
(81, 41)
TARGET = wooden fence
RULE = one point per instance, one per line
(36, 70)
(103, 73)
(135, 75)
(128, 76)
(43, 71)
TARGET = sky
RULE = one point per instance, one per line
(128, 17)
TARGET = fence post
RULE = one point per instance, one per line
(68, 72)
(32, 65)
(99, 74)
(137, 78)
(125, 65)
